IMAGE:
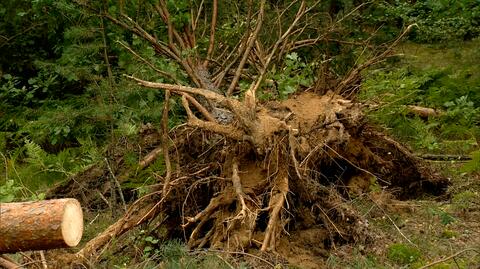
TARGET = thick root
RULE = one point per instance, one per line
(275, 226)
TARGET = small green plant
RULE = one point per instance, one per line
(8, 191)
(294, 74)
(465, 200)
(150, 246)
(173, 251)
(403, 254)
(447, 233)
(445, 218)
(474, 164)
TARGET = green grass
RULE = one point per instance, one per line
(446, 79)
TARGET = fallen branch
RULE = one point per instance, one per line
(150, 158)
(7, 263)
(181, 89)
(165, 140)
(449, 257)
(117, 185)
(440, 157)
(213, 24)
(226, 130)
(423, 112)
(137, 214)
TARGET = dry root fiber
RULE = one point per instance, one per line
(286, 169)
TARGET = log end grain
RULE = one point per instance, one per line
(40, 225)
(72, 223)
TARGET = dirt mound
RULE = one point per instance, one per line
(276, 180)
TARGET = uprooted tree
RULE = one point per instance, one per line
(245, 171)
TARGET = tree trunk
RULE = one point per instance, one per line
(40, 225)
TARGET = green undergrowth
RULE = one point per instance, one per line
(150, 252)
(446, 79)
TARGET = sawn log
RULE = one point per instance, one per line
(40, 225)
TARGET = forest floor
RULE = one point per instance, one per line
(412, 234)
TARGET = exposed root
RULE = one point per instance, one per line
(237, 185)
(277, 199)
(136, 215)
(214, 127)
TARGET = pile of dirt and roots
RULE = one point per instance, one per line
(276, 182)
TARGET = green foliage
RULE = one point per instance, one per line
(447, 233)
(150, 244)
(445, 218)
(8, 191)
(13, 190)
(437, 20)
(449, 90)
(403, 254)
(293, 74)
(474, 164)
(174, 254)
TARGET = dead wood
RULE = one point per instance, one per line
(423, 112)
(40, 225)
(7, 263)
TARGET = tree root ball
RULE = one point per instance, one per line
(287, 169)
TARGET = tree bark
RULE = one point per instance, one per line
(8, 264)
(40, 225)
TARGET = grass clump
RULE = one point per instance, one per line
(465, 200)
(403, 254)
(173, 254)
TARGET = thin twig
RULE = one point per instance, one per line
(331, 222)
(356, 166)
(300, 13)
(8, 39)
(199, 107)
(449, 257)
(249, 47)
(117, 184)
(353, 75)
(163, 73)
(213, 24)
(393, 222)
(165, 140)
